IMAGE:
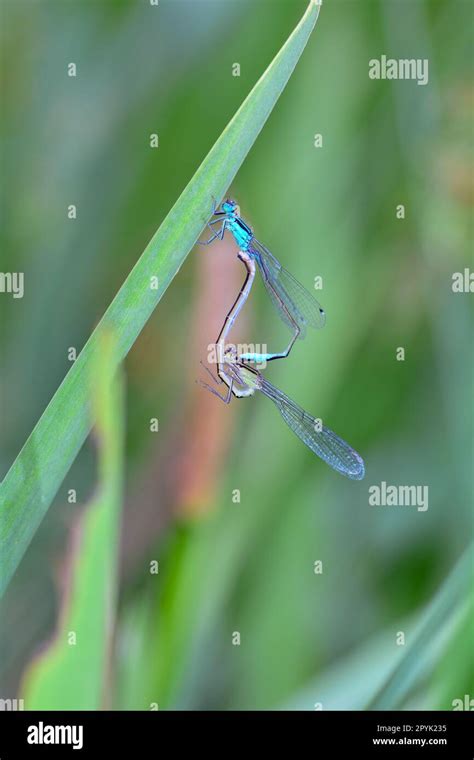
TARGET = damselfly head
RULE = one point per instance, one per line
(230, 207)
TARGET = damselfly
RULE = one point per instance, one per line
(243, 380)
(296, 306)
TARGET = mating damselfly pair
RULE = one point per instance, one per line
(299, 310)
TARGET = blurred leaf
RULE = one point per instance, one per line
(392, 673)
(35, 476)
(348, 683)
(454, 676)
(132, 660)
(421, 654)
(74, 675)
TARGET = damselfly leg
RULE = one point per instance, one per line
(216, 235)
(226, 399)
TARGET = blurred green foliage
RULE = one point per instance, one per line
(73, 672)
(329, 211)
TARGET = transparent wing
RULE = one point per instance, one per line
(326, 444)
(294, 303)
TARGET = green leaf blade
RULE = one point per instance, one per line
(35, 476)
(72, 672)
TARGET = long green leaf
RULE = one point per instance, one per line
(34, 478)
(378, 675)
(72, 673)
(443, 612)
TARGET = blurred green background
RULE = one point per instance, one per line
(247, 567)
